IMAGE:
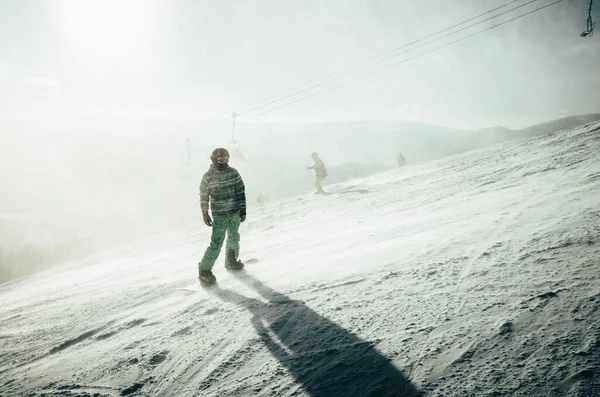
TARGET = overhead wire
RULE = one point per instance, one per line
(392, 53)
(405, 60)
(389, 56)
(340, 72)
(336, 75)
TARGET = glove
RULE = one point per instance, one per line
(206, 219)
(242, 214)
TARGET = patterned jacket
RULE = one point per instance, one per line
(225, 191)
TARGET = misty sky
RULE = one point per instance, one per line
(186, 59)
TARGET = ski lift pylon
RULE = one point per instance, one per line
(234, 146)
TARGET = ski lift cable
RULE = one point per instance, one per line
(362, 63)
(348, 70)
(403, 61)
(389, 57)
(406, 60)
(390, 54)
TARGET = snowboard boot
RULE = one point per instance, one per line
(206, 278)
(231, 263)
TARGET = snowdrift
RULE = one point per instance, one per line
(474, 275)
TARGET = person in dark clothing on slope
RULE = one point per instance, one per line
(222, 188)
(320, 171)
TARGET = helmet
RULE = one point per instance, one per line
(220, 158)
(219, 152)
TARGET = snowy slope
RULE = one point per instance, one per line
(472, 275)
(83, 187)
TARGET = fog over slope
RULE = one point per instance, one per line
(69, 189)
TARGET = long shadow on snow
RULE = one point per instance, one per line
(324, 358)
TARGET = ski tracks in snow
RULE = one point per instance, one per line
(185, 366)
(492, 240)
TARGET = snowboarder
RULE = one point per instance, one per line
(320, 171)
(401, 160)
(223, 188)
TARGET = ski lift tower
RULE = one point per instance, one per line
(234, 146)
(590, 23)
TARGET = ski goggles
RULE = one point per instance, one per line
(222, 160)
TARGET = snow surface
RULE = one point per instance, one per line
(472, 275)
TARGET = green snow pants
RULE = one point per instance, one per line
(221, 225)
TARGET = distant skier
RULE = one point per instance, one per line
(320, 171)
(263, 198)
(223, 188)
(401, 160)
